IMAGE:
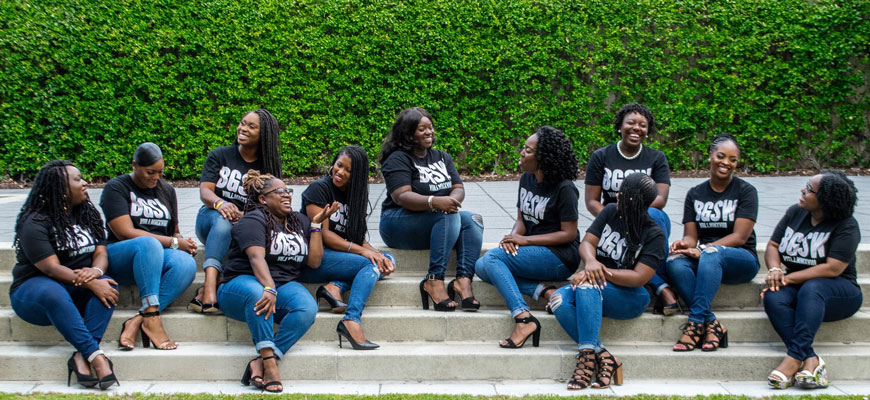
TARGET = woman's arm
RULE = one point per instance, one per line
(662, 198)
(689, 240)
(315, 243)
(257, 258)
(742, 230)
(639, 276)
(409, 200)
(210, 199)
(593, 199)
(831, 268)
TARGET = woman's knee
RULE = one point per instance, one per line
(147, 244)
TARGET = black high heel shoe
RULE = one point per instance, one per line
(441, 306)
(86, 380)
(109, 380)
(536, 335)
(341, 329)
(272, 383)
(198, 306)
(337, 306)
(248, 380)
(667, 309)
(146, 339)
(467, 303)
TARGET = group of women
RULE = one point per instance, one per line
(259, 251)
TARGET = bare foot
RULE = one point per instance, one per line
(521, 331)
(436, 289)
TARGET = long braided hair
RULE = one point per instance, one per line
(48, 199)
(357, 192)
(255, 184)
(401, 136)
(270, 142)
(555, 156)
(637, 192)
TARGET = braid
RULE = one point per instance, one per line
(401, 136)
(48, 197)
(722, 138)
(357, 193)
(637, 192)
(254, 184)
(555, 156)
(270, 142)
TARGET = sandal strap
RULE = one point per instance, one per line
(270, 357)
(150, 314)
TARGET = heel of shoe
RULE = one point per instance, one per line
(146, 341)
(724, 343)
(617, 375)
(424, 296)
(451, 290)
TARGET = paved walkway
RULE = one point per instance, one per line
(496, 201)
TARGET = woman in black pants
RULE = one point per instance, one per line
(816, 242)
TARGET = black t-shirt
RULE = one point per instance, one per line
(286, 253)
(322, 192)
(607, 168)
(543, 208)
(715, 213)
(38, 240)
(226, 168)
(802, 245)
(612, 236)
(147, 211)
(433, 175)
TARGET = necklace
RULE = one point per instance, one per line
(627, 157)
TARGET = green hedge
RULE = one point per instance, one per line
(88, 80)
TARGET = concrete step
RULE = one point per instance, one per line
(397, 324)
(417, 261)
(430, 361)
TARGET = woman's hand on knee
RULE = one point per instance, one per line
(266, 304)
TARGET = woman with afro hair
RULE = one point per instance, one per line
(542, 246)
(811, 275)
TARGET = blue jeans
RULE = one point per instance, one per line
(659, 281)
(213, 230)
(347, 270)
(796, 312)
(698, 280)
(74, 311)
(294, 312)
(515, 276)
(579, 310)
(160, 274)
(438, 232)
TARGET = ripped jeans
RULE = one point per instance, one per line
(698, 280)
(580, 310)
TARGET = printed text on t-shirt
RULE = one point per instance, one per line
(288, 247)
(613, 178)
(611, 244)
(152, 210)
(532, 206)
(798, 248)
(715, 214)
(435, 175)
(339, 217)
(230, 182)
(83, 242)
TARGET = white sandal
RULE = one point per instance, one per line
(813, 380)
(778, 380)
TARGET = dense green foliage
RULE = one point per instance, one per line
(88, 80)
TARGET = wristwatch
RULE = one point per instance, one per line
(173, 243)
(702, 247)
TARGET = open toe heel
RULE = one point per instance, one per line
(536, 335)
(714, 328)
(467, 303)
(146, 338)
(272, 383)
(248, 377)
(609, 370)
(695, 332)
(444, 305)
(584, 370)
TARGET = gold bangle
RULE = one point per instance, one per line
(218, 204)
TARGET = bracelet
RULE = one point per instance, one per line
(218, 204)
(316, 230)
(774, 269)
(316, 225)
(101, 271)
(350, 246)
(270, 290)
(430, 201)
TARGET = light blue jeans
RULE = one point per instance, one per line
(294, 312)
(515, 276)
(213, 230)
(580, 310)
(698, 280)
(160, 274)
(438, 232)
(347, 271)
(659, 281)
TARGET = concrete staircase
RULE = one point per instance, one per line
(432, 346)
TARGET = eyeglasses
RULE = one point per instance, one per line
(280, 191)
(810, 188)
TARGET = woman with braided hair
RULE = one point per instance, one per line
(349, 261)
(271, 245)
(621, 250)
(223, 195)
(59, 277)
(542, 245)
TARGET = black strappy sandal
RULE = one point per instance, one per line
(609, 370)
(272, 383)
(467, 303)
(715, 329)
(584, 370)
(248, 378)
(695, 333)
(444, 305)
(536, 335)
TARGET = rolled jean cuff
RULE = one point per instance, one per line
(661, 287)
(518, 311)
(150, 301)
(538, 290)
(352, 319)
(270, 345)
(213, 263)
(94, 354)
(593, 346)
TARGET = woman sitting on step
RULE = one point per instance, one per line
(542, 245)
(59, 277)
(270, 246)
(718, 245)
(145, 246)
(816, 242)
(421, 209)
(349, 261)
(621, 251)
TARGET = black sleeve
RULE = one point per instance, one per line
(115, 200)
(661, 171)
(776, 237)
(317, 193)
(654, 247)
(397, 171)
(173, 207)
(689, 207)
(598, 224)
(35, 242)
(844, 240)
(211, 168)
(451, 169)
(568, 199)
(748, 205)
(250, 231)
(595, 169)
